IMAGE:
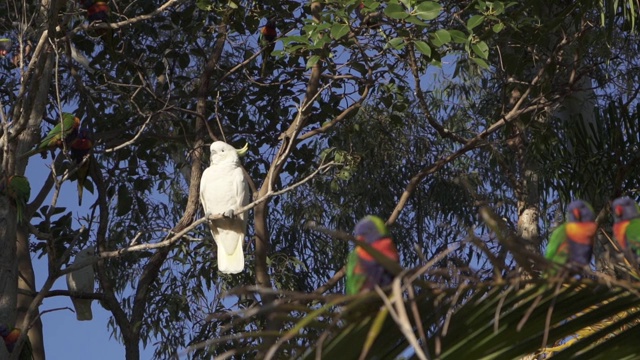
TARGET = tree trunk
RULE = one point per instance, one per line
(8, 262)
(27, 281)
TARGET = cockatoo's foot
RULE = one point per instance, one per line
(229, 214)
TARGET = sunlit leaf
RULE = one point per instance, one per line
(440, 37)
(428, 10)
(474, 21)
(423, 47)
(395, 11)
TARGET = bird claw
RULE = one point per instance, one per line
(229, 214)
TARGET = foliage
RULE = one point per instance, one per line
(416, 111)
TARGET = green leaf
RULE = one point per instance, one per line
(428, 10)
(205, 5)
(458, 36)
(414, 20)
(397, 43)
(124, 201)
(474, 21)
(440, 37)
(339, 30)
(395, 11)
(88, 185)
(481, 49)
(423, 47)
(483, 64)
(498, 8)
(312, 61)
(497, 27)
(184, 60)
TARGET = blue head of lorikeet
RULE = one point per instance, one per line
(624, 208)
(370, 229)
(580, 211)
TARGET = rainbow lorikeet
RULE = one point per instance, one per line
(5, 47)
(98, 11)
(268, 35)
(10, 338)
(572, 242)
(19, 190)
(626, 224)
(363, 271)
(81, 147)
(359, 13)
(65, 131)
(368, 18)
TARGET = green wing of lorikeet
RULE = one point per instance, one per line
(64, 130)
(632, 234)
(557, 249)
(27, 350)
(19, 190)
(354, 281)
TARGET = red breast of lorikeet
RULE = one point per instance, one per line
(363, 271)
(269, 32)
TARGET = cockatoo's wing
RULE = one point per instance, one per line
(82, 280)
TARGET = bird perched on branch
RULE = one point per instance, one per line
(223, 189)
(572, 242)
(80, 148)
(10, 337)
(267, 38)
(363, 271)
(367, 17)
(82, 280)
(62, 134)
(626, 225)
(5, 47)
(18, 190)
(99, 11)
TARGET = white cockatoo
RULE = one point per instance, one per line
(82, 280)
(223, 189)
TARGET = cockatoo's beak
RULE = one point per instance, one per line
(242, 152)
